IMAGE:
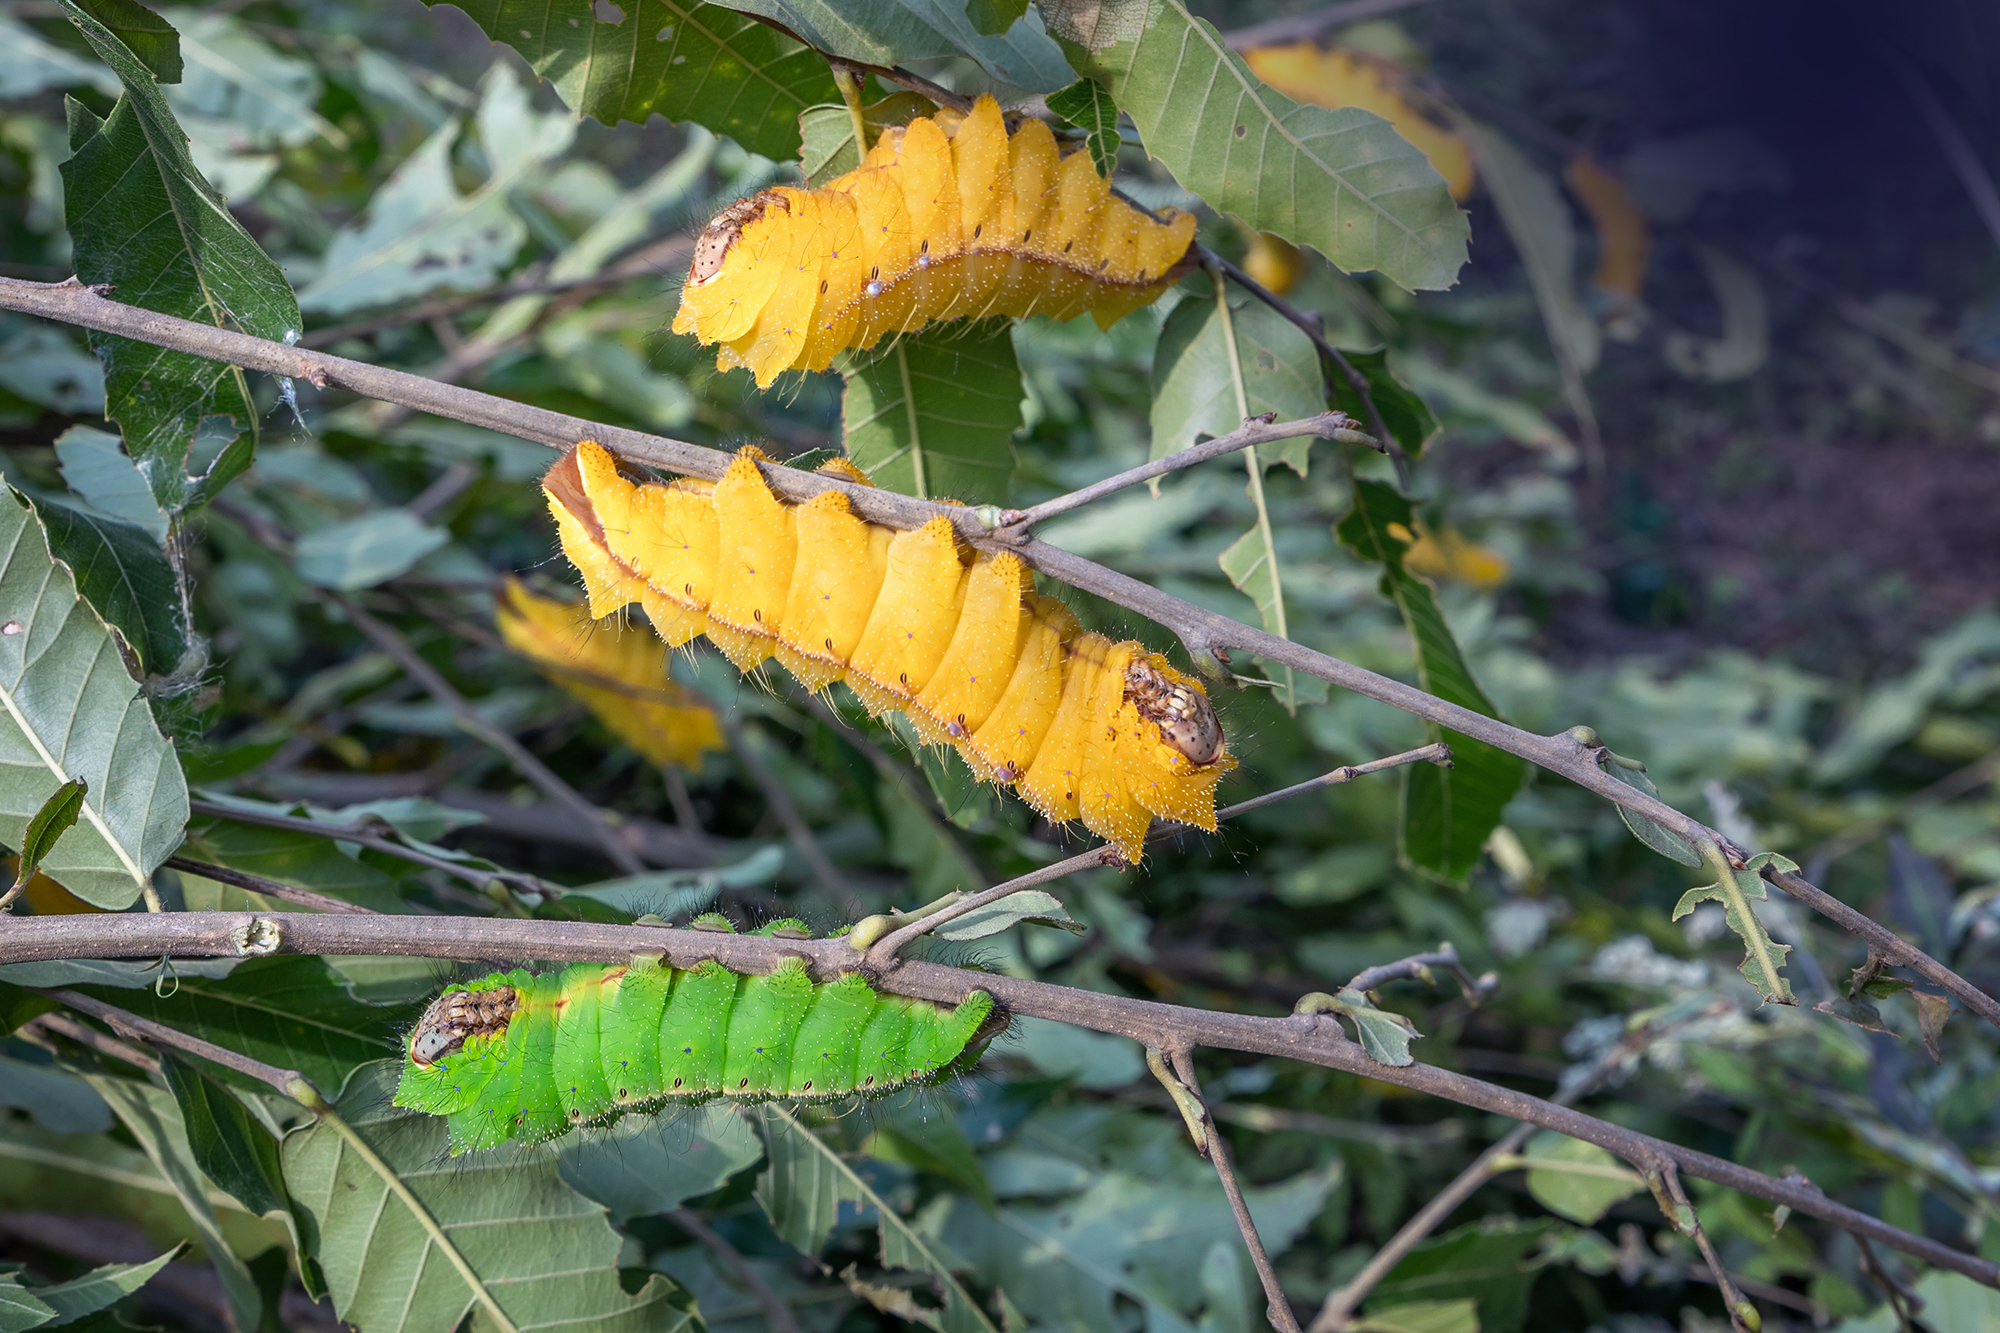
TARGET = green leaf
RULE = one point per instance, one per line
(1668, 844)
(58, 1100)
(704, 63)
(21, 1309)
(69, 709)
(961, 797)
(1384, 1035)
(56, 817)
(826, 133)
(419, 233)
(366, 550)
(1486, 1262)
(288, 1011)
(154, 1121)
(890, 32)
(914, 1136)
(1459, 1316)
(1343, 182)
(1194, 382)
(1538, 222)
(1447, 813)
(1087, 106)
(1028, 905)
(1577, 1180)
(933, 414)
(1407, 416)
(804, 1190)
(230, 1147)
(993, 17)
(99, 1289)
(145, 221)
(97, 469)
(145, 34)
(30, 63)
(539, 1250)
(124, 575)
(635, 1170)
(1763, 957)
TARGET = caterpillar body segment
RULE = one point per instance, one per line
(947, 217)
(516, 1055)
(1082, 727)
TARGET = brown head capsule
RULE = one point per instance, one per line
(1183, 714)
(713, 245)
(456, 1015)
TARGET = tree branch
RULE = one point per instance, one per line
(1203, 632)
(1254, 431)
(1185, 1089)
(1312, 1038)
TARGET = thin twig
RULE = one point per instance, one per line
(1315, 1039)
(786, 809)
(270, 888)
(881, 952)
(1338, 1311)
(531, 768)
(1567, 754)
(1306, 27)
(1254, 431)
(64, 1025)
(1680, 1212)
(1417, 967)
(363, 837)
(1182, 1085)
(777, 1315)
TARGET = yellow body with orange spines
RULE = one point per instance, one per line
(911, 621)
(948, 217)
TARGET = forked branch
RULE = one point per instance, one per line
(1312, 1038)
(1203, 632)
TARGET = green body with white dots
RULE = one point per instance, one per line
(514, 1055)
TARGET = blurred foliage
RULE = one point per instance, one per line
(439, 210)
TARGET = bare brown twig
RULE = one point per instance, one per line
(1254, 431)
(1203, 632)
(1174, 1068)
(270, 888)
(1312, 1038)
(881, 952)
(363, 837)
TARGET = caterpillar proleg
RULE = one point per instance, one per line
(945, 218)
(516, 1055)
(1082, 727)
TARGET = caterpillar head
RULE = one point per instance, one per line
(1182, 712)
(713, 245)
(457, 1015)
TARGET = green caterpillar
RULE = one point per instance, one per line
(515, 1055)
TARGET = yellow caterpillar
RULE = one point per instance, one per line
(1082, 727)
(620, 674)
(946, 217)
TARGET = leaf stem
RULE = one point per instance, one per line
(845, 79)
(1755, 938)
